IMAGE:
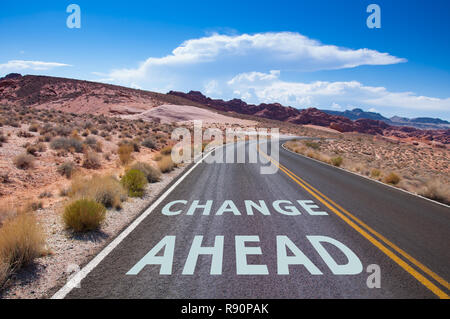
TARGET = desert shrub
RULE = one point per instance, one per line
(134, 181)
(166, 164)
(4, 178)
(375, 173)
(392, 178)
(106, 190)
(66, 169)
(32, 150)
(91, 160)
(33, 127)
(167, 150)
(3, 138)
(68, 144)
(84, 215)
(21, 241)
(124, 152)
(41, 147)
(24, 161)
(149, 143)
(337, 161)
(6, 211)
(46, 194)
(63, 130)
(90, 140)
(436, 190)
(34, 206)
(153, 174)
(134, 144)
(313, 145)
(24, 134)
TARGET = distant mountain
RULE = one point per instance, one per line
(426, 123)
(276, 111)
(357, 114)
(420, 122)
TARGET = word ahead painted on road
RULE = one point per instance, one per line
(288, 253)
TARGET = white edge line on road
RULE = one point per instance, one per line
(78, 277)
(368, 178)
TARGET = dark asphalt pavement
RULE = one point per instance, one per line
(419, 227)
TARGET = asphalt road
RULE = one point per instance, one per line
(406, 236)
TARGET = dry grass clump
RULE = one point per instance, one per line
(124, 152)
(67, 144)
(92, 160)
(84, 215)
(311, 144)
(66, 169)
(167, 150)
(375, 173)
(436, 190)
(3, 139)
(153, 174)
(105, 190)
(24, 161)
(134, 181)
(149, 143)
(165, 164)
(337, 161)
(21, 241)
(392, 179)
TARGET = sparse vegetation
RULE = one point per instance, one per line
(66, 169)
(84, 215)
(337, 161)
(106, 190)
(91, 160)
(67, 144)
(311, 144)
(166, 164)
(134, 181)
(124, 152)
(375, 173)
(392, 179)
(153, 174)
(149, 143)
(436, 190)
(21, 241)
(24, 161)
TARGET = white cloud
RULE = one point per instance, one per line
(212, 88)
(255, 86)
(241, 53)
(19, 65)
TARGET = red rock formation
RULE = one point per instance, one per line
(314, 116)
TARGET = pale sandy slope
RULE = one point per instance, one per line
(185, 113)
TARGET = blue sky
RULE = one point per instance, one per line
(299, 53)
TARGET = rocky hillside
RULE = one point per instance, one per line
(75, 96)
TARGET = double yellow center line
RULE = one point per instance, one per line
(370, 234)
